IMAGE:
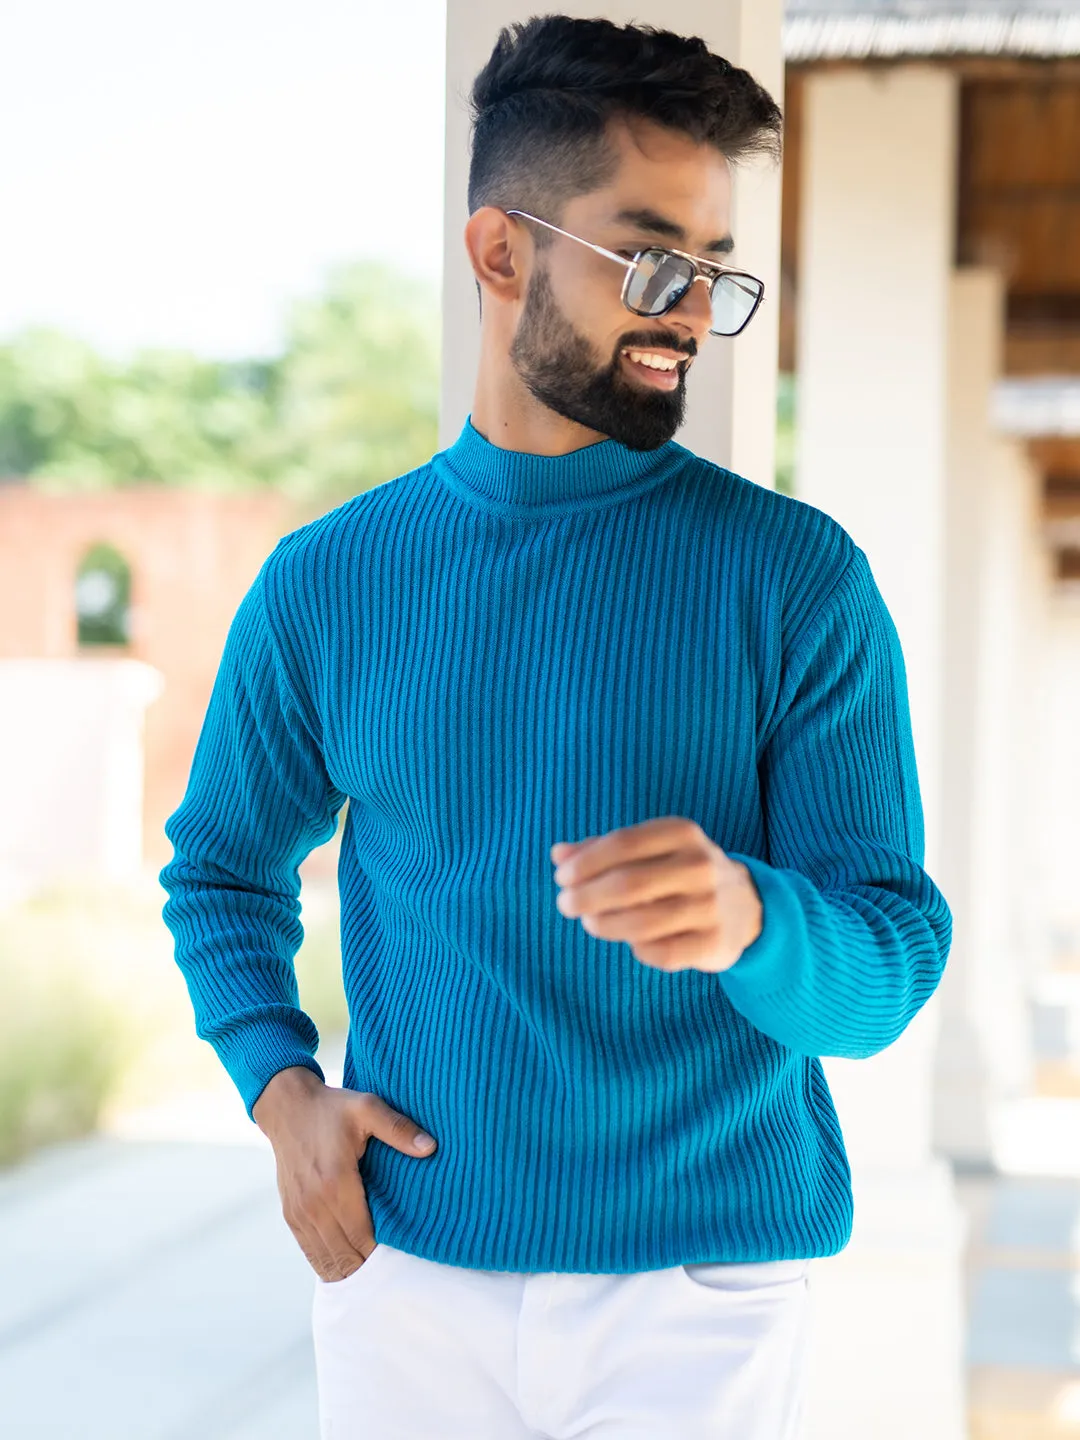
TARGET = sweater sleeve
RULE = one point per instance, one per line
(855, 934)
(258, 800)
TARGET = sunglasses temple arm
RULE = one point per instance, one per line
(559, 231)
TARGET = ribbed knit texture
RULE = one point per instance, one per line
(501, 650)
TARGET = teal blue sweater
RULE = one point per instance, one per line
(501, 650)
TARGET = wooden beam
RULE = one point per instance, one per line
(790, 211)
(1049, 351)
(1061, 507)
(1058, 457)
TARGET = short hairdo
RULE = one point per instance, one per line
(542, 103)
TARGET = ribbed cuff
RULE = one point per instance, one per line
(254, 1053)
(770, 964)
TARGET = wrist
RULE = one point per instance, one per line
(282, 1091)
(754, 905)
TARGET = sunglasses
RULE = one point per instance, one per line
(657, 279)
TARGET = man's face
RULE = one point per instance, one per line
(570, 346)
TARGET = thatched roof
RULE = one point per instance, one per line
(890, 29)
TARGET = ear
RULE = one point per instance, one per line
(500, 252)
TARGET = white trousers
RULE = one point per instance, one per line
(408, 1349)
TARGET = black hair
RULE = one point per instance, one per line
(542, 103)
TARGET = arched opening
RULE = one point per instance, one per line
(103, 597)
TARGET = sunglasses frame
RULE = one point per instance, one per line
(708, 270)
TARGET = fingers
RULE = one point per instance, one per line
(342, 1255)
(385, 1123)
(345, 1225)
(643, 924)
(640, 883)
(333, 1228)
(353, 1234)
(318, 1146)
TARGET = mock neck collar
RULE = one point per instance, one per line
(517, 482)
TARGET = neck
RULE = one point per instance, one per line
(507, 413)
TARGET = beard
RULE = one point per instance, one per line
(556, 364)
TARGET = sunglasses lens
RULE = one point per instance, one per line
(662, 279)
(734, 299)
(659, 281)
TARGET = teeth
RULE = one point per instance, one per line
(654, 362)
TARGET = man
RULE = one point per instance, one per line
(567, 639)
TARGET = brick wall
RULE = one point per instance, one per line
(192, 557)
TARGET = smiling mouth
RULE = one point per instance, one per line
(660, 376)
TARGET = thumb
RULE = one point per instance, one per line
(385, 1123)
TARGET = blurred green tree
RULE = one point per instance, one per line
(785, 433)
(351, 402)
(71, 420)
(356, 393)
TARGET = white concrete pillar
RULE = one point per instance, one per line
(1000, 739)
(876, 248)
(1032, 759)
(731, 407)
(875, 259)
(1059, 791)
(71, 770)
(962, 1083)
(985, 1051)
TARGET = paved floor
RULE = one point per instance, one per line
(150, 1289)
(1023, 1285)
(1023, 1252)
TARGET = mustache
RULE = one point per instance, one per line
(656, 340)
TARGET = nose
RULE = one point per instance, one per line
(694, 310)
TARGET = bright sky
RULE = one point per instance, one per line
(174, 173)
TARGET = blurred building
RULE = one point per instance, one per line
(112, 603)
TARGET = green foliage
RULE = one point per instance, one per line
(785, 434)
(62, 1050)
(73, 421)
(357, 390)
(351, 402)
(319, 979)
(96, 1019)
(103, 597)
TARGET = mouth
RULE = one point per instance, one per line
(653, 375)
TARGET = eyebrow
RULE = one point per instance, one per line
(650, 220)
